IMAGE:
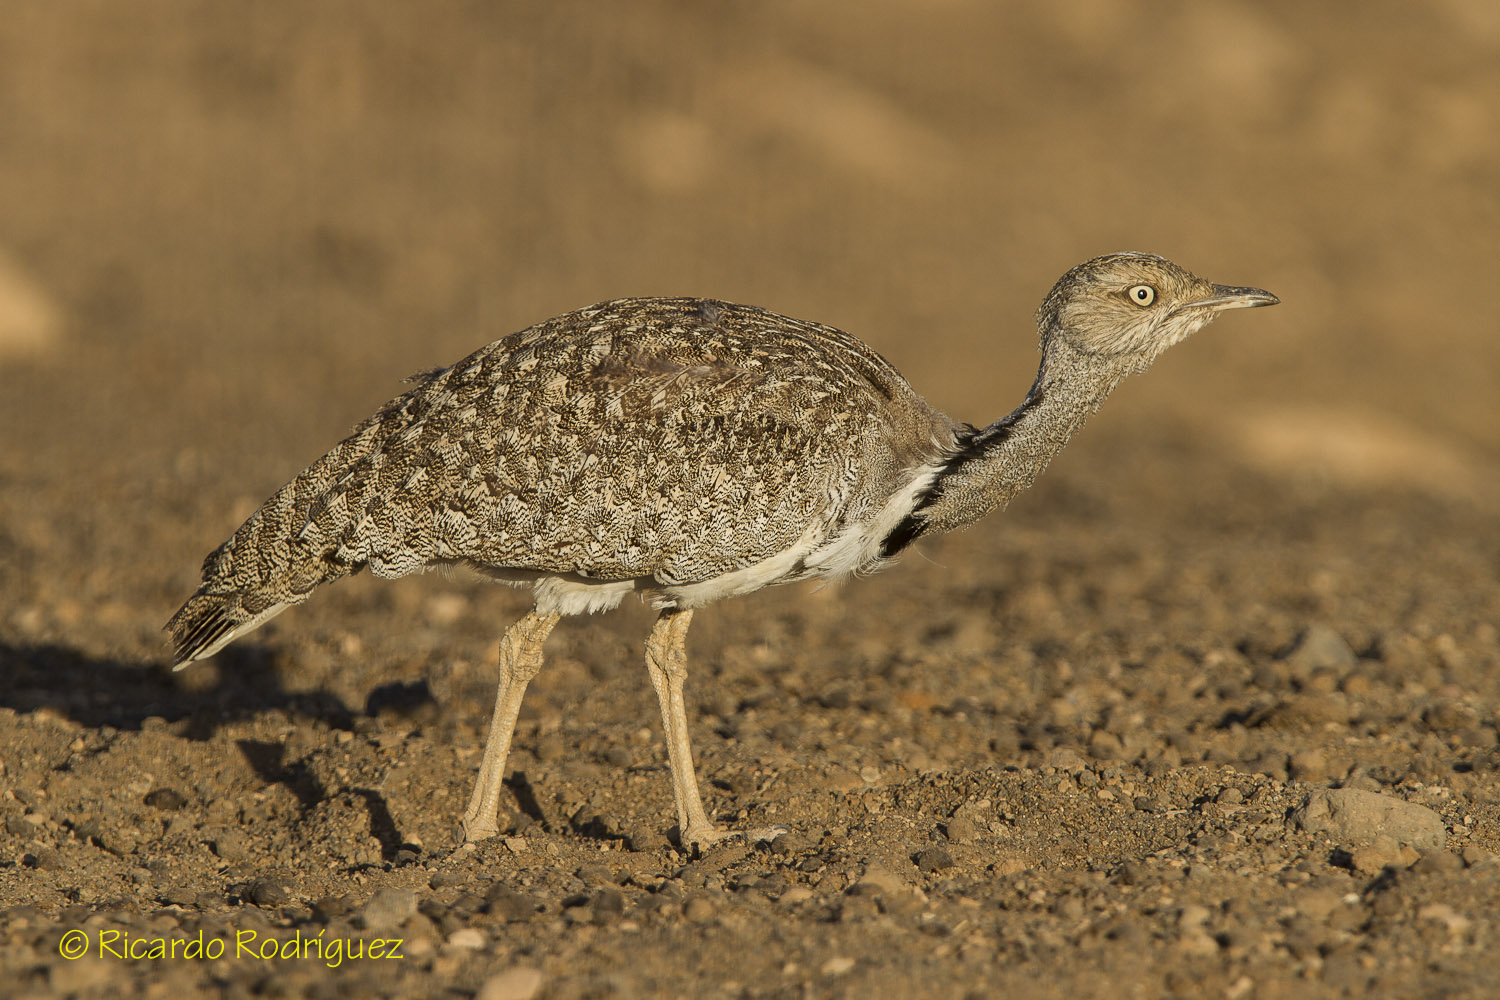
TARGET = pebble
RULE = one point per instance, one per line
(1474, 855)
(468, 939)
(330, 908)
(1321, 648)
(519, 983)
(1067, 759)
(1069, 908)
(268, 892)
(1193, 915)
(388, 908)
(1309, 709)
(646, 839)
(43, 858)
(1456, 922)
(178, 896)
(1317, 904)
(1010, 865)
(1355, 818)
(934, 858)
(1436, 862)
(1197, 941)
(230, 844)
(80, 976)
(1376, 856)
(1310, 766)
(505, 902)
(838, 965)
(1104, 745)
(607, 904)
(880, 884)
(595, 875)
(698, 909)
(788, 845)
(960, 829)
(165, 798)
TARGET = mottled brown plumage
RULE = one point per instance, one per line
(684, 448)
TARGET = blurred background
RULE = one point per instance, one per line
(227, 229)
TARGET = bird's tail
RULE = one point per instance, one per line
(308, 533)
(265, 567)
(209, 622)
(272, 561)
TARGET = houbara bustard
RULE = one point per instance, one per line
(684, 449)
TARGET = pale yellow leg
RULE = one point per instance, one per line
(520, 659)
(666, 661)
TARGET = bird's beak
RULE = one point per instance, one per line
(1232, 297)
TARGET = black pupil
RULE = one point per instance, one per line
(1142, 293)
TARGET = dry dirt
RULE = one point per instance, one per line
(1067, 753)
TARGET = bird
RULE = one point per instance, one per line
(682, 449)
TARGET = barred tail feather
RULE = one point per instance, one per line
(209, 622)
(297, 540)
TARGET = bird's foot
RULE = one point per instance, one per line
(702, 838)
(473, 829)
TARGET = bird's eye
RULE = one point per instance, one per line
(1142, 295)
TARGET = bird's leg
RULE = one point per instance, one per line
(520, 659)
(666, 660)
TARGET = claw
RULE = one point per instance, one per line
(709, 837)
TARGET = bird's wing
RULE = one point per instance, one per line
(627, 465)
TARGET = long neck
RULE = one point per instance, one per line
(1003, 459)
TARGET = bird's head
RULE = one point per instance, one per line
(1133, 306)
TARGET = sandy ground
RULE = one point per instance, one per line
(1212, 711)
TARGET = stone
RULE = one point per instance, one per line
(934, 858)
(1444, 914)
(1196, 941)
(504, 902)
(1321, 648)
(1438, 862)
(268, 892)
(1317, 904)
(230, 844)
(523, 982)
(43, 858)
(794, 895)
(837, 966)
(607, 904)
(1354, 818)
(1309, 765)
(1474, 855)
(1376, 856)
(960, 829)
(699, 909)
(886, 890)
(468, 939)
(1067, 759)
(330, 908)
(165, 799)
(388, 909)
(81, 976)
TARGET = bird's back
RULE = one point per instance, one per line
(671, 438)
(675, 439)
